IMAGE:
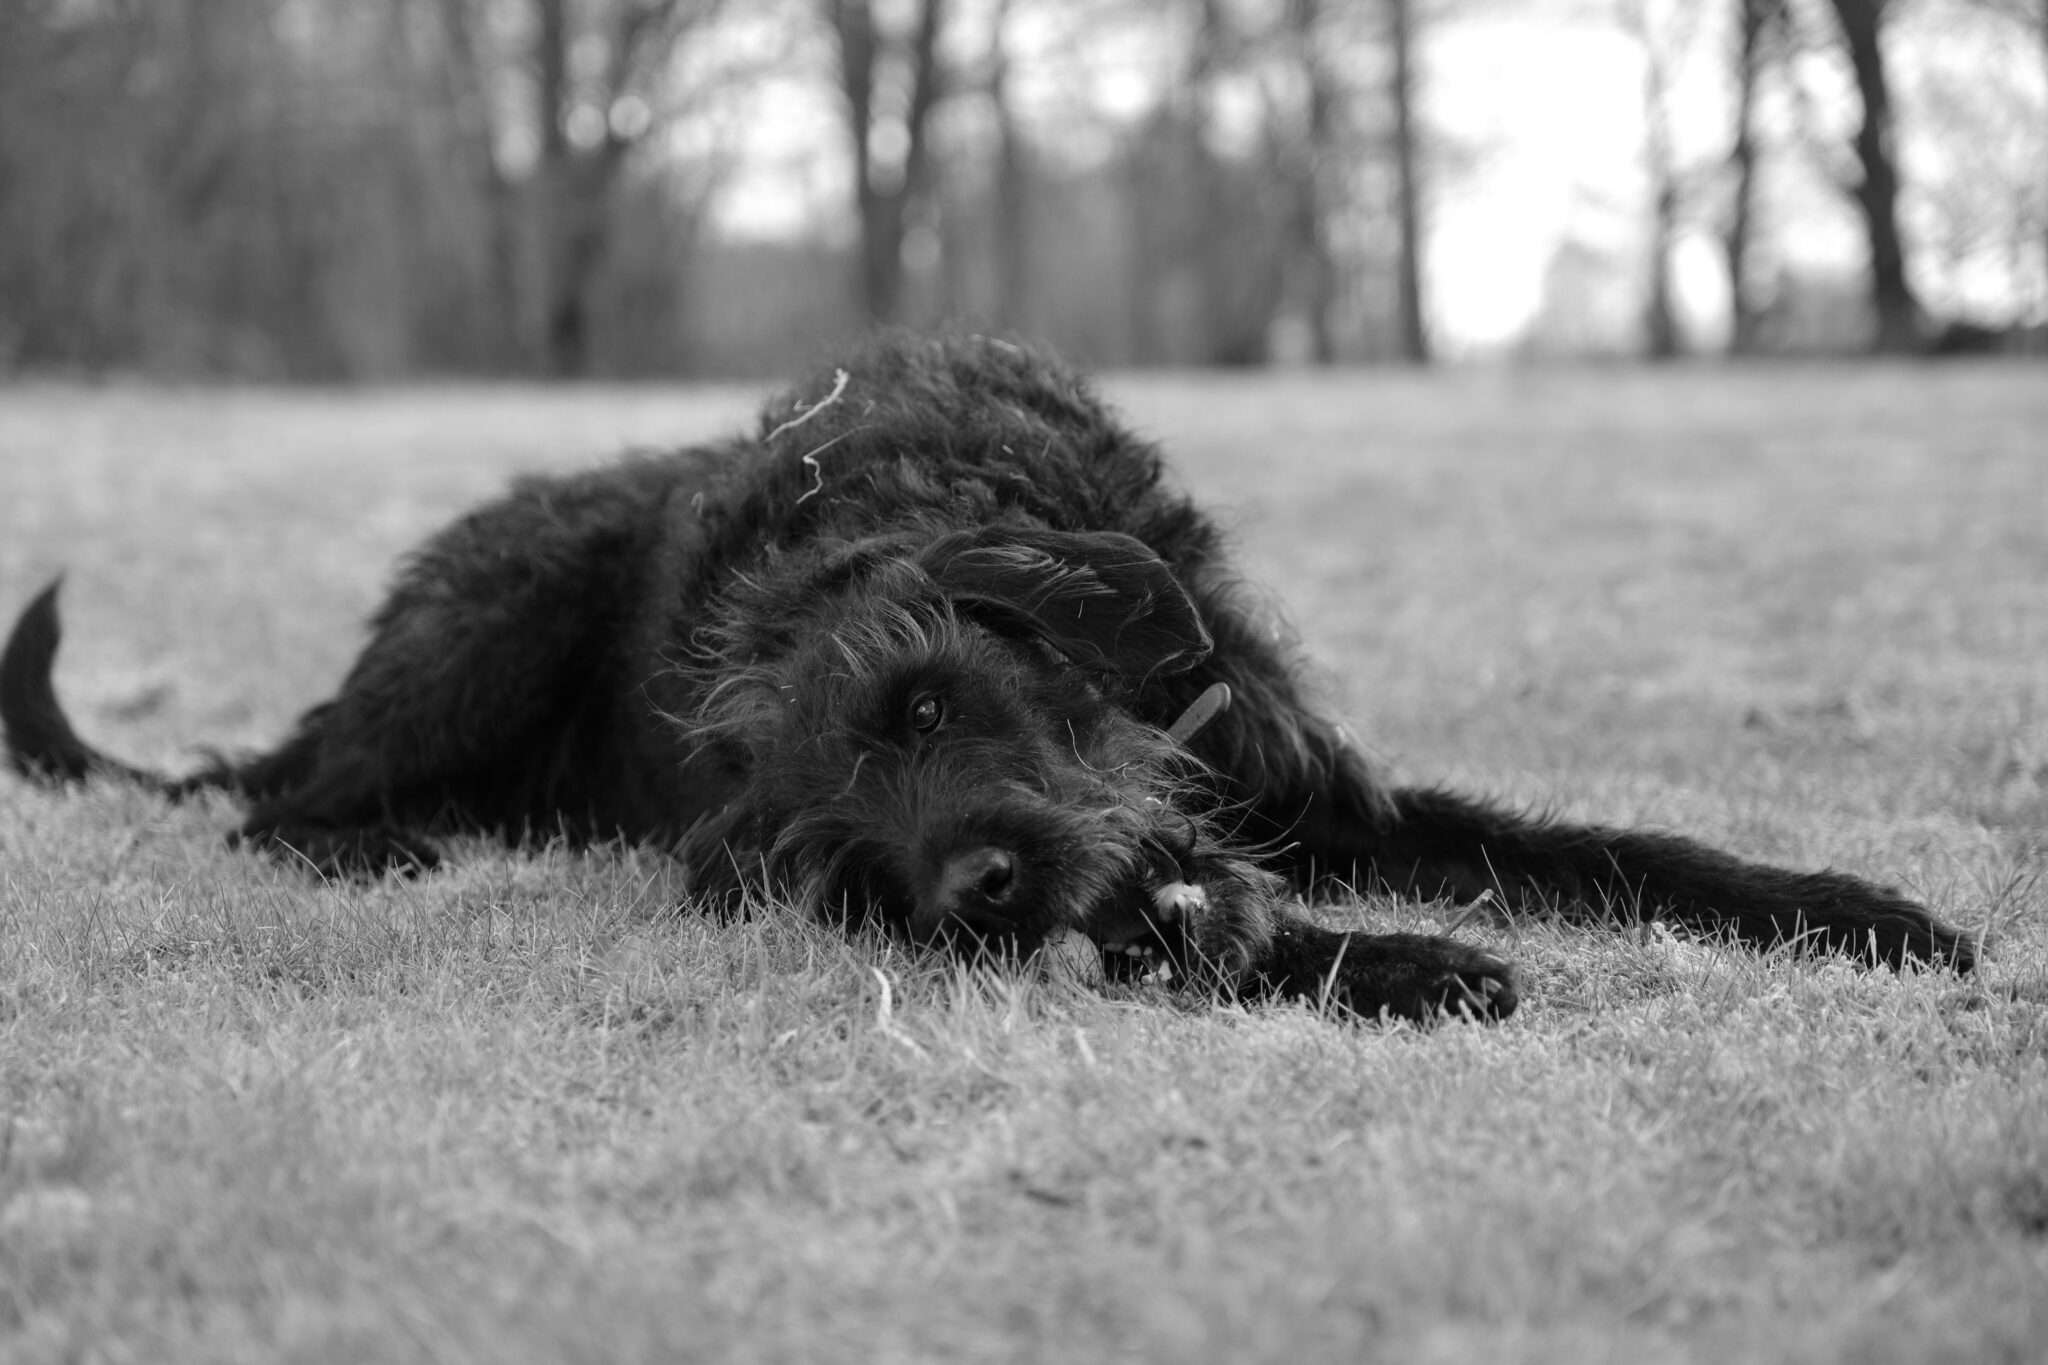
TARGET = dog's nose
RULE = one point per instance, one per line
(976, 879)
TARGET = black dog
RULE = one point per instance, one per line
(936, 645)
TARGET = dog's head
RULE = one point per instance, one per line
(937, 728)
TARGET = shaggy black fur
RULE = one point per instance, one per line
(911, 651)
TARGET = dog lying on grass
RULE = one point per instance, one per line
(936, 645)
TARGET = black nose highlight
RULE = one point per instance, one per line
(977, 879)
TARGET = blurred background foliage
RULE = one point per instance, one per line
(362, 189)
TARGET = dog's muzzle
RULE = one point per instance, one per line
(977, 889)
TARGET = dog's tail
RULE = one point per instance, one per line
(41, 745)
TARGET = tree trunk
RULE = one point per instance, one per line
(853, 25)
(1317, 272)
(1736, 237)
(1012, 205)
(1660, 320)
(883, 202)
(1660, 316)
(1146, 249)
(1414, 335)
(1226, 334)
(1877, 192)
(565, 326)
(469, 97)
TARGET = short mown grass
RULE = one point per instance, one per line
(524, 1109)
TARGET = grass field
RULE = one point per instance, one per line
(515, 1111)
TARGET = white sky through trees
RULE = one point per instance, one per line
(1544, 120)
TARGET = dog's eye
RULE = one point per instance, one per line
(926, 713)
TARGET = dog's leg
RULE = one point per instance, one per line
(337, 819)
(1289, 773)
(488, 695)
(1433, 843)
(1419, 977)
(1312, 796)
(1440, 843)
(1407, 976)
(1235, 929)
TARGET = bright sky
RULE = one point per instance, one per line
(1545, 141)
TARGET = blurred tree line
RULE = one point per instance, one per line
(366, 188)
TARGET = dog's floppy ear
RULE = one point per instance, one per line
(1101, 598)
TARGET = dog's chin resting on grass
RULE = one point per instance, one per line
(937, 644)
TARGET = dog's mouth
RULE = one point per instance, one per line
(1141, 927)
(1141, 934)
(1135, 905)
(1009, 876)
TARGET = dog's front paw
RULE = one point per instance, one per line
(1834, 912)
(1417, 977)
(1401, 976)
